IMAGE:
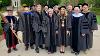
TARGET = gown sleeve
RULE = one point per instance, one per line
(84, 25)
(94, 22)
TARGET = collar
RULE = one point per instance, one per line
(77, 15)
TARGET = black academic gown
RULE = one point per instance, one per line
(69, 39)
(92, 26)
(37, 26)
(79, 27)
(11, 39)
(52, 46)
(25, 25)
(57, 23)
(62, 35)
(50, 40)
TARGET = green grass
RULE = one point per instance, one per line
(98, 19)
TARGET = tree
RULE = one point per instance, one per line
(97, 3)
(5, 3)
(81, 1)
(42, 2)
(27, 2)
(54, 2)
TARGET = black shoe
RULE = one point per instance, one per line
(15, 49)
(46, 48)
(41, 46)
(76, 53)
(37, 50)
(32, 47)
(26, 48)
(62, 52)
(9, 50)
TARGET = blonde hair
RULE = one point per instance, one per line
(64, 14)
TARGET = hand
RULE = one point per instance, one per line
(13, 30)
(56, 32)
(92, 30)
(83, 34)
(67, 32)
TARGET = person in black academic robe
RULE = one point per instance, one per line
(33, 12)
(69, 12)
(51, 29)
(91, 17)
(25, 25)
(56, 11)
(63, 29)
(79, 30)
(37, 26)
(10, 27)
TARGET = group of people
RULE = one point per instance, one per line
(51, 27)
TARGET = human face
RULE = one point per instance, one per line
(10, 12)
(50, 12)
(33, 8)
(76, 10)
(62, 11)
(56, 8)
(26, 9)
(85, 8)
(38, 8)
(46, 8)
(69, 7)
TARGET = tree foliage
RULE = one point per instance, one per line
(27, 2)
(5, 3)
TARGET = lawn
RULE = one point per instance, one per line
(98, 19)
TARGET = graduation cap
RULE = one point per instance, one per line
(25, 5)
(62, 7)
(9, 8)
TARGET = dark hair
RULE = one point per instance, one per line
(76, 6)
(62, 7)
(33, 5)
(45, 5)
(85, 4)
(79, 4)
